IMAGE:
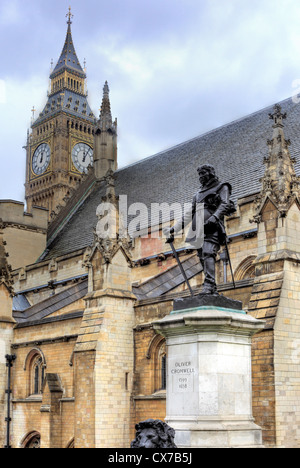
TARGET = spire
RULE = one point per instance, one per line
(105, 139)
(280, 182)
(68, 57)
(105, 111)
(69, 16)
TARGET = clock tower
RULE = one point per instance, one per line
(60, 146)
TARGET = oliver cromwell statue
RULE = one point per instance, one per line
(214, 197)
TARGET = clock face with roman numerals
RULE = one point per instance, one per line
(82, 156)
(41, 159)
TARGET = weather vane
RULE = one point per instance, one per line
(70, 16)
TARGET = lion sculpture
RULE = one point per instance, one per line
(153, 434)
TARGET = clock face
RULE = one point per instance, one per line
(41, 159)
(82, 156)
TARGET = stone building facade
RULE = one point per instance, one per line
(77, 306)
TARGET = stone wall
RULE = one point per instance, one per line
(24, 233)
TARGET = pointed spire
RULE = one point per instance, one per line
(68, 57)
(105, 111)
(280, 182)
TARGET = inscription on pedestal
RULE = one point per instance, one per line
(183, 375)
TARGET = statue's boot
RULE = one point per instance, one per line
(209, 267)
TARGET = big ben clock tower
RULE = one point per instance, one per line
(60, 146)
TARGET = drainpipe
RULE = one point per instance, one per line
(10, 358)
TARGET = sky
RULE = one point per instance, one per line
(176, 68)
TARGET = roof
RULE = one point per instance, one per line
(168, 280)
(52, 304)
(68, 57)
(20, 303)
(236, 150)
(70, 102)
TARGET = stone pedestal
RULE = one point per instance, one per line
(209, 391)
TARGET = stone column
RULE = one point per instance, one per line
(209, 394)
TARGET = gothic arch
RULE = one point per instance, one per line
(31, 440)
(156, 353)
(154, 343)
(71, 444)
(246, 269)
(31, 354)
(34, 366)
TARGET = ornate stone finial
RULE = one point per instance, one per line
(279, 183)
(106, 89)
(106, 122)
(278, 117)
(69, 16)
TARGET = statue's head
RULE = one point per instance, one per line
(153, 434)
(206, 174)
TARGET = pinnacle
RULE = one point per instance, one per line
(279, 181)
(105, 112)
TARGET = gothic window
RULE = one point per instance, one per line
(160, 383)
(35, 367)
(32, 440)
(157, 354)
(37, 377)
(246, 269)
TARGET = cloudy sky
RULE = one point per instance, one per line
(176, 68)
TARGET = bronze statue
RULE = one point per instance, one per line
(215, 196)
(153, 434)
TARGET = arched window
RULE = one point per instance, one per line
(161, 377)
(32, 440)
(37, 376)
(157, 354)
(246, 269)
(35, 367)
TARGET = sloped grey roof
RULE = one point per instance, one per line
(73, 103)
(236, 150)
(20, 303)
(52, 304)
(168, 280)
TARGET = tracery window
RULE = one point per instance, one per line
(34, 366)
(37, 378)
(161, 368)
(157, 354)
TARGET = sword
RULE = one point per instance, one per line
(228, 256)
(170, 241)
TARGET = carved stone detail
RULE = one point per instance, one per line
(280, 183)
